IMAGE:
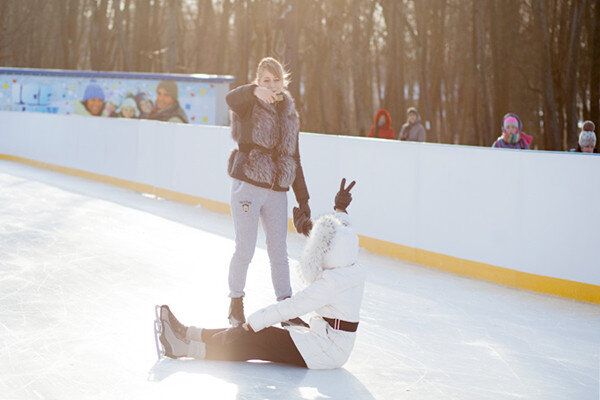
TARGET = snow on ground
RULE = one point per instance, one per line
(82, 265)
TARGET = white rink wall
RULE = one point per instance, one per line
(534, 212)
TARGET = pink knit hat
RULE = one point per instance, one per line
(510, 121)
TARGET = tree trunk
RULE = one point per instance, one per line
(362, 104)
(483, 120)
(570, 87)
(552, 130)
(224, 38)
(290, 59)
(595, 68)
(171, 56)
(99, 36)
(394, 86)
(122, 36)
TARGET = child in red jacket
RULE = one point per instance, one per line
(382, 127)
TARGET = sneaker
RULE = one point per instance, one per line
(236, 311)
(294, 322)
(171, 345)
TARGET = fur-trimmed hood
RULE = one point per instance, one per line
(332, 244)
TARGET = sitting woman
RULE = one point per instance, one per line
(334, 292)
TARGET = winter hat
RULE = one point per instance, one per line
(385, 113)
(141, 96)
(93, 91)
(115, 97)
(510, 121)
(170, 87)
(411, 110)
(129, 102)
(587, 137)
(509, 118)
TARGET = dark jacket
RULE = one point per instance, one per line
(173, 113)
(386, 131)
(267, 138)
(412, 132)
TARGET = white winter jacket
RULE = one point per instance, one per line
(335, 290)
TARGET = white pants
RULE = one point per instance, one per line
(248, 203)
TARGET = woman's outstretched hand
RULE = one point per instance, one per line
(343, 196)
(265, 95)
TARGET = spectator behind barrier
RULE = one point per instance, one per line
(382, 126)
(412, 130)
(587, 139)
(92, 103)
(512, 136)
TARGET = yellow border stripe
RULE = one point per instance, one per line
(473, 269)
(487, 272)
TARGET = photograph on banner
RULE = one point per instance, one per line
(163, 100)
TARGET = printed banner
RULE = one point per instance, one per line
(166, 100)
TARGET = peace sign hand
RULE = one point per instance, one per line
(344, 197)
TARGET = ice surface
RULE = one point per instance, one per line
(82, 265)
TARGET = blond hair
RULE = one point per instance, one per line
(273, 66)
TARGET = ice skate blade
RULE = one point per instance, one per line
(160, 352)
(157, 312)
(158, 329)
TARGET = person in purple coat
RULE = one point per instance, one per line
(512, 136)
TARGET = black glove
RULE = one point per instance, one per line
(343, 197)
(304, 207)
(302, 223)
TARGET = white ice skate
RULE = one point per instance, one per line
(168, 342)
(170, 337)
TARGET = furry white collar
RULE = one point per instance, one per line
(318, 244)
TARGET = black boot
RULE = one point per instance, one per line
(236, 311)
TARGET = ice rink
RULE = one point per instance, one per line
(82, 265)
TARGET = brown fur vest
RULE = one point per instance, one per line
(268, 145)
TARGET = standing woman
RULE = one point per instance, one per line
(266, 163)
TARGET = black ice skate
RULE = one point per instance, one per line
(167, 341)
(236, 311)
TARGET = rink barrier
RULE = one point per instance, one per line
(472, 269)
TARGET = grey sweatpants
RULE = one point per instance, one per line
(248, 203)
